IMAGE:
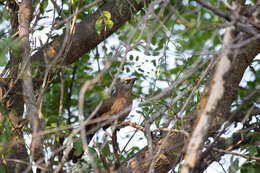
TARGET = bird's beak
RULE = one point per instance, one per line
(129, 80)
(133, 79)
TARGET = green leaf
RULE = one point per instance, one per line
(52, 119)
(107, 14)
(3, 168)
(157, 122)
(78, 146)
(106, 150)
(154, 62)
(104, 20)
(154, 40)
(236, 164)
(99, 26)
(109, 23)
(2, 58)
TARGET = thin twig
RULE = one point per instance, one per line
(237, 154)
(215, 10)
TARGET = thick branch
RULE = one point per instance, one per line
(85, 37)
(213, 93)
(169, 154)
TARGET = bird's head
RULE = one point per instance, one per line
(125, 86)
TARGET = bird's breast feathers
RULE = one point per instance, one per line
(119, 105)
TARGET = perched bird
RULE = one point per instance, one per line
(119, 103)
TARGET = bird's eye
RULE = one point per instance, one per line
(127, 81)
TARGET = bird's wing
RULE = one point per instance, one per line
(105, 107)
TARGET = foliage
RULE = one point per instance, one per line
(176, 36)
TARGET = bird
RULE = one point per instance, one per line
(120, 103)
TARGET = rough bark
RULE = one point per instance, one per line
(14, 102)
(213, 93)
(16, 142)
(171, 150)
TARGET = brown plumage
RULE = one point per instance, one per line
(118, 102)
(120, 99)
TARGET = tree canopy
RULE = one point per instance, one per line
(196, 100)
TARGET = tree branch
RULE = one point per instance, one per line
(240, 59)
(213, 93)
(85, 37)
